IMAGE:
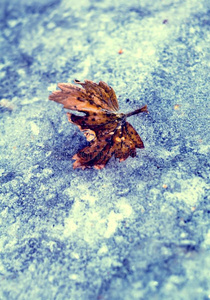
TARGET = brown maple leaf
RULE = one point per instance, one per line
(106, 129)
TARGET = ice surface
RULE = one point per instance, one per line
(134, 230)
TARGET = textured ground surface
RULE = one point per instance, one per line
(136, 229)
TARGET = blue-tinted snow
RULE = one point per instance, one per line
(136, 229)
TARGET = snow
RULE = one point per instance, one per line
(138, 229)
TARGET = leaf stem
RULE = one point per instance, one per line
(137, 111)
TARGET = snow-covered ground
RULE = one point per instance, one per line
(135, 230)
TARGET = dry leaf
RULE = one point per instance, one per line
(106, 129)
